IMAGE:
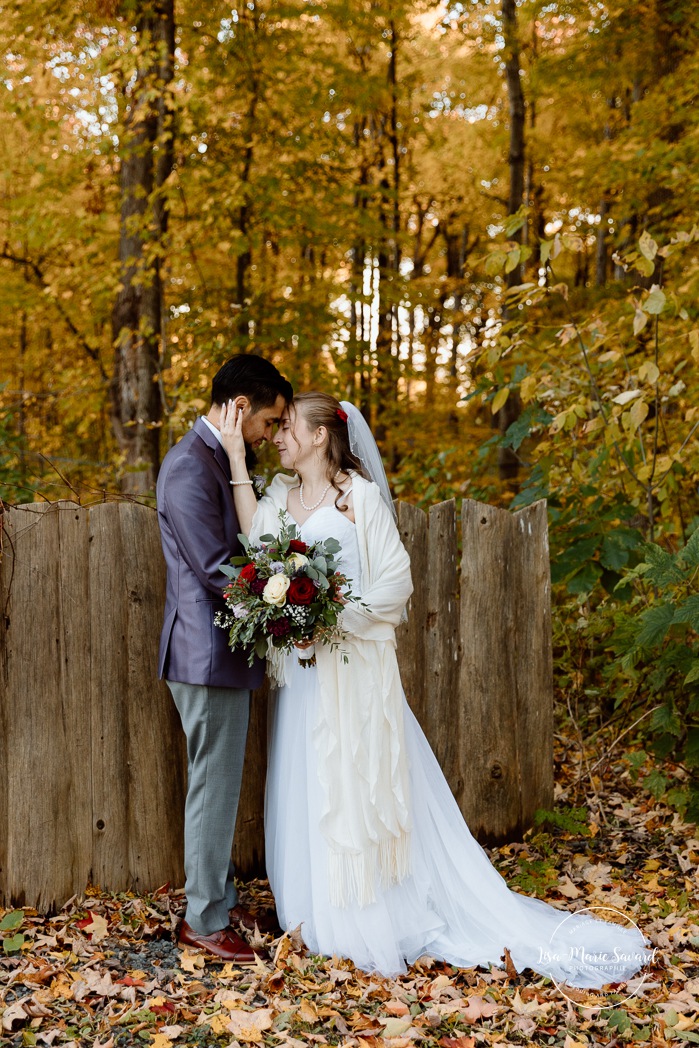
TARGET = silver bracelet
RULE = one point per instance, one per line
(235, 483)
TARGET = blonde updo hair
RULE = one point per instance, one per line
(321, 409)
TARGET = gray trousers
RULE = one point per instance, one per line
(215, 721)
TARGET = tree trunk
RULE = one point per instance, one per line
(249, 28)
(431, 340)
(515, 95)
(601, 252)
(146, 162)
(389, 258)
(534, 190)
(458, 249)
(360, 331)
(508, 463)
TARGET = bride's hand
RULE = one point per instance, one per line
(231, 427)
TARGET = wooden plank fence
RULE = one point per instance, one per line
(92, 758)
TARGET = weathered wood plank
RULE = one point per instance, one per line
(534, 662)
(70, 769)
(47, 723)
(506, 675)
(32, 662)
(410, 637)
(27, 658)
(109, 682)
(157, 758)
(489, 758)
(7, 564)
(249, 840)
(441, 700)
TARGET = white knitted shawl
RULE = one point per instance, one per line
(359, 740)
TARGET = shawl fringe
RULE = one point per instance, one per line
(352, 875)
(277, 666)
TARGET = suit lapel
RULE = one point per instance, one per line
(223, 460)
(220, 456)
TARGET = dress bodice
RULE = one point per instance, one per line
(328, 522)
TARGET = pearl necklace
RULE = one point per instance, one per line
(309, 509)
(326, 489)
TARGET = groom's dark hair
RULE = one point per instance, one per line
(247, 375)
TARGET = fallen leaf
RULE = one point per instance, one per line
(431, 1017)
(568, 889)
(136, 973)
(249, 1026)
(11, 921)
(509, 966)
(35, 1008)
(395, 1027)
(218, 1023)
(62, 987)
(525, 1025)
(477, 1008)
(529, 1008)
(167, 1008)
(439, 984)
(191, 962)
(95, 983)
(597, 874)
(399, 1008)
(97, 928)
(229, 971)
(161, 1040)
(275, 982)
(307, 1012)
(14, 1013)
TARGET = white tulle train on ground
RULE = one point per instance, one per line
(454, 905)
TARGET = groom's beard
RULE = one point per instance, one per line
(250, 457)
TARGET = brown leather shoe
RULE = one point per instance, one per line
(226, 944)
(266, 922)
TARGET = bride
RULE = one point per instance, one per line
(366, 847)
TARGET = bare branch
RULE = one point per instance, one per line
(38, 273)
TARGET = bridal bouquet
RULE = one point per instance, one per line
(284, 590)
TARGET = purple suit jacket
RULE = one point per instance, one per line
(199, 532)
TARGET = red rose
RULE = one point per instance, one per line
(297, 546)
(302, 590)
(248, 573)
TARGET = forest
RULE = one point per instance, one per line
(476, 220)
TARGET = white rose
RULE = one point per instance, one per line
(296, 561)
(275, 590)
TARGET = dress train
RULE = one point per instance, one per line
(454, 906)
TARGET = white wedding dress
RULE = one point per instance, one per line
(454, 905)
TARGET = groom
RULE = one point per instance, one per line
(210, 684)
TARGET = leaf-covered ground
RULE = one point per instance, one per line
(105, 971)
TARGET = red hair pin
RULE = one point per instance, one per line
(342, 414)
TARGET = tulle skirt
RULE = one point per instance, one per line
(454, 906)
